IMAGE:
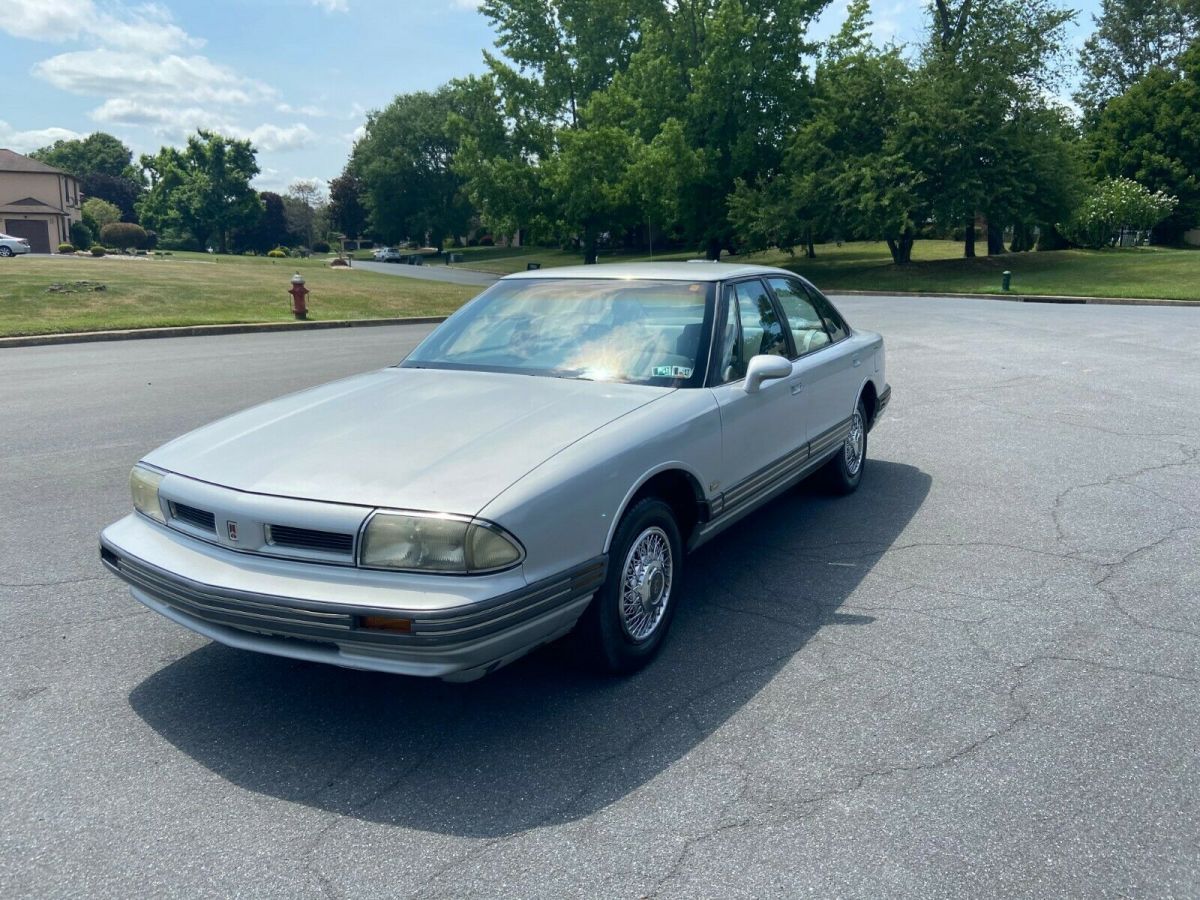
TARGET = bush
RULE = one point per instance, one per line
(81, 235)
(66, 248)
(320, 247)
(277, 254)
(123, 234)
(1115, 207)
(97, 250)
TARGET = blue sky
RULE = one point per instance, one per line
(296, 76)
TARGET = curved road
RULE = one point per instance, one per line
(436, 271)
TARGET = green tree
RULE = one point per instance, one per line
(404, 164)
(985, 73)
(841, 173)
(1132, 38)
(589, 180)
(97, 154)
(97, 213)
(203, 189)
(347, 213)
(1151, 134)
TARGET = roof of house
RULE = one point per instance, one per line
(30, 205)
(15, 162)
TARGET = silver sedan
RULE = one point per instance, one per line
(540, 465)
(12, 246)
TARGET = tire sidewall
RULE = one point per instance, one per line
(615, 650)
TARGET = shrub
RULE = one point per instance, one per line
(277, 254)
(123, 234)
(81, 235)
(320, 247)
(97, 250)
(66, 248)
(1115, 206)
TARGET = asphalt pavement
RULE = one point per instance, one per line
(433, 271)
(975, 677)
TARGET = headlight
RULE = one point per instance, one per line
(436, 544)
(143, 484)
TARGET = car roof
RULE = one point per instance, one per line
(692, 270)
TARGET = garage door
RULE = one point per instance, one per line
(37, 233)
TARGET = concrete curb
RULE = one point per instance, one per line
(137, 334)
(1022, 298)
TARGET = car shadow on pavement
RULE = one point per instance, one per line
(540, 742)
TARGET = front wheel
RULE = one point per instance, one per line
(845, 469)
(5, 251)
(628, 619)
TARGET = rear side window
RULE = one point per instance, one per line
(834, 323)
(806, 324)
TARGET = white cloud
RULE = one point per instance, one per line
(24, 141)
(112, 73)
(274, 138)
(356, 135)
(147, 27)
(332, 6)
(313, 112)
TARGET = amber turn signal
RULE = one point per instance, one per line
(385, 623)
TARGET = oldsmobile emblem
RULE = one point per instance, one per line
(231, 528)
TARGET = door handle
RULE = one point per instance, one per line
(797, 387)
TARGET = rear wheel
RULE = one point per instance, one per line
(629, 617)
(5, 251)
(844, 470)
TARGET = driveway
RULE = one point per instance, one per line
(975, 677)
(434, 271)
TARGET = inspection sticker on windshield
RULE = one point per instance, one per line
(672, 372)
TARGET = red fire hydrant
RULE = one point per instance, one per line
(299, 292)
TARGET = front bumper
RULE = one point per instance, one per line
(461, 628)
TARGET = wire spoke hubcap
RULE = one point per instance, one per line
(646, 584)
(854, 444)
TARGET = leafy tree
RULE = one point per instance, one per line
(1117, 205)
(404, 162)
(347, 213)
(203, 189)
(841, 173)
(97, 213)
(1151, 134)
(268, 231)
(1132, 38)
(97, 154)
(984, 75)
(301, 203)
(588, 179)
(117, 189)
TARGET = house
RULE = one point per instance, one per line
(37, 202)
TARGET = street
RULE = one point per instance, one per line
(975, 676)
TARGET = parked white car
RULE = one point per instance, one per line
(388, 254)
(542, 462)
(12, 246)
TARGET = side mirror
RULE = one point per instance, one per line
(764, 368)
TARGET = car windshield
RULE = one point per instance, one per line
(632, 331)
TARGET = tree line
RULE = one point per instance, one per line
(721, 125)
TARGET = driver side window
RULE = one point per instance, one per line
(752, 328)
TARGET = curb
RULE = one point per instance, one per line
(137, 334)
(1022, 298)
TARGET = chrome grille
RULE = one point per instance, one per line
(197, 518)
(310, 539)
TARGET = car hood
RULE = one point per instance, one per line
(424, 439)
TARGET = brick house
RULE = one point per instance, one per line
(37, 202)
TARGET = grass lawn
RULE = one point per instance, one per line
(938, 266)
(199, 289)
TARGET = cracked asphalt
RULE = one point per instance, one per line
(975, 677)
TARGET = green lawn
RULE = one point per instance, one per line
(938, 267)
(198, 289)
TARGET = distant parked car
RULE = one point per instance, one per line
(389, 254)
(12, 246)
(542, 462)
